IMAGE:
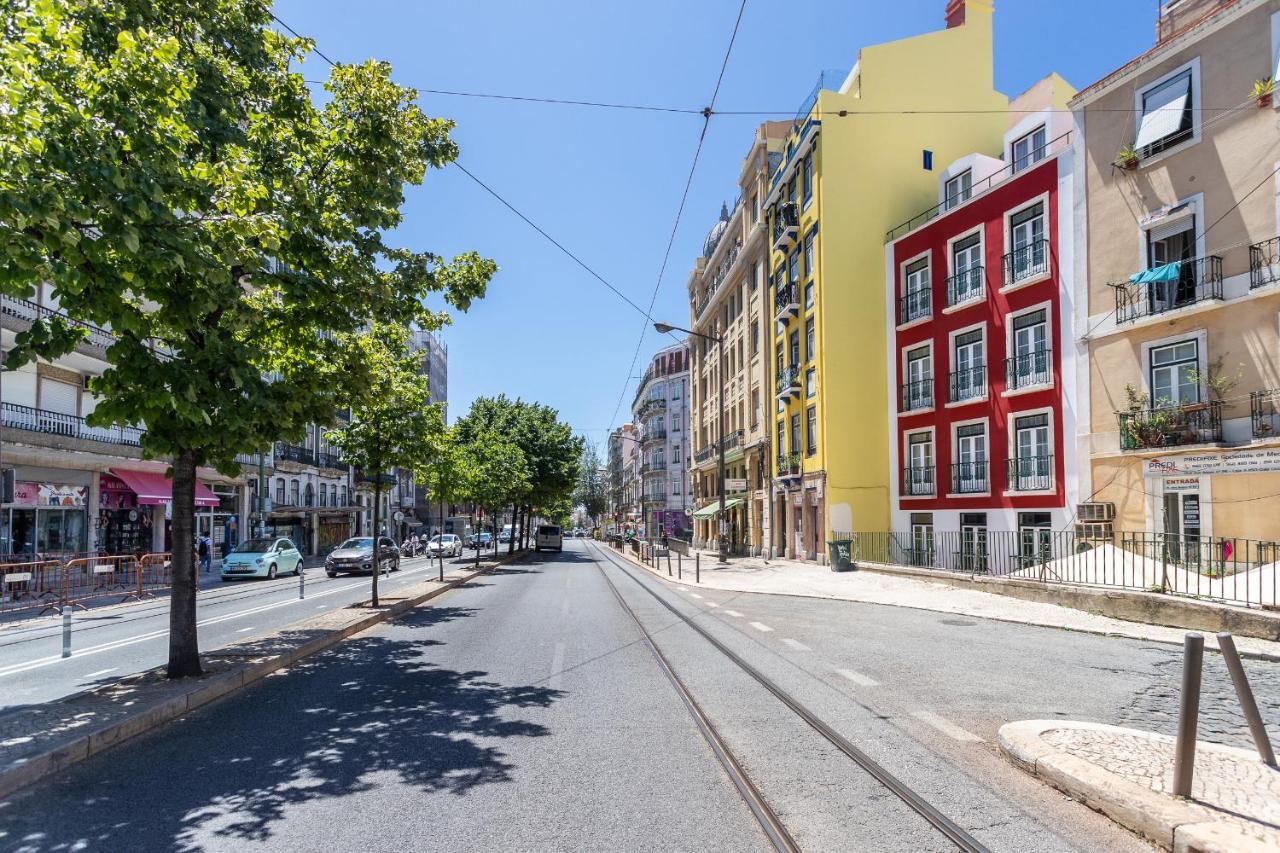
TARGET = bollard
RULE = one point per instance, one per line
(302, 583)
(66, 632)
(1184, 756)
(697, 568)
(679, 566)
(1227, 644)
(668, 562)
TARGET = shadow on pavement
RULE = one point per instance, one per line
(373, 711)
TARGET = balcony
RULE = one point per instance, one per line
(967, 285)
(1264, 262)
(655, 497)
(653, 466)
(650, 407)
(1264, 412)
(969, 383)
(917, 395)
(295, 453)
(1030, 473)
(1028, 370)
(786, 303)
(786, 226)
(789, 466)
(329, 459)
(917, 481)
(969, 478)
(732, 442)
(29, 312)
(654, 436)
(1171, 426)
(916, 305)
(788, 383)
(1168, 288)
(1027, 262)
(43, 421)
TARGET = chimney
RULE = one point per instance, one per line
(955, 13)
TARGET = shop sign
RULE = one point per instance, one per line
(54, 494)
(1182, 484)
(26, 494)
(735, 485)
(1256, 461)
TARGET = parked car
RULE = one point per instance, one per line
(356, 555)
(444, 544)
(481, 540)
(505, 536)
(262, 558)
(549, 536)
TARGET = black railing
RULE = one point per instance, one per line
(789, 465)
(1030, 473)
(654, 466)
(24, 309)
(969, 478)
(651, 406)
(967, 284)
(1028, 369)
(787, 300)
(651, 435)
(918, 480)
(1171, 426)
(786, 222)
(968, 383)
(329, 459)
(913, 306)
(1264, 412)
(15, 416)
(295, 453)
(917, 394)
(1264, 262)
(1026, 262)
(788, 380)
(1198, 280)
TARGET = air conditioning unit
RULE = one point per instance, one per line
(1096, 521)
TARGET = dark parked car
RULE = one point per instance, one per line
(356, 555)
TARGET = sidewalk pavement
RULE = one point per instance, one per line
(1128, 775)
(790, 577)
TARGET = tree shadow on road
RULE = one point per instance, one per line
(374, 711)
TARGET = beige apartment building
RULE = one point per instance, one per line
(1178, 281)
(729, 301)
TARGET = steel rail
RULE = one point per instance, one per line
(952, 830)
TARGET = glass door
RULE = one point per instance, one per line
(1028, 243)
(1030, 350)
(1032, 453)
(971, 464)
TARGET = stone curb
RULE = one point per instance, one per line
(1174, 824)
(27, 771)
(919, 574)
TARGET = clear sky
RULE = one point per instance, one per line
(607, 183)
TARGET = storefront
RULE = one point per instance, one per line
(221, 522)
(332, 532)
(123, 526)
(149, 490)
(47, 516)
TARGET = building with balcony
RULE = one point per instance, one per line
(851, 177)
(620, 477)
(660, 411)
(428, 515)
(82, 488)
(980, 304)
(729, 304)
(310, 494)
(1178, 281)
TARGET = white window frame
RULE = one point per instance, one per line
(1193, 208)
(1011, 448)
(1032, 160)
(1196, 126)
(927, 255)
(954, 453)
(1201, 337)
(933, 373)
(950, 202)
(980, 230)
(1043, 201)
(907, 435)
(1047, 308)
(951, 363)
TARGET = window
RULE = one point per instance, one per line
(675, 421)
(973, 541)
(1031, 454)
(918, 477)
(1173, 374)
(807, 172)
(1029, 149)
(810, 382)
(754, 207)
(294, 491)
(957, 190)
(333, 495)
(757, 275)
(793, 267)
(1167, 243)
(795, 433)
(1030, 363)
(915, 299)
(921, 553)
(782, 435)
(346, 497)
(324, 496)
(1167, 116)
(675, 485)
(1035, 538)
(968, 380)
(755, 408)
(808, 253)
(810, 351)
(309, 495)
(808, 296)
(917, 393)
(966, 269)
(755, 337)
(811, 430)
(969, 473)
(280, 491)
(794, 348)
(1029, 251)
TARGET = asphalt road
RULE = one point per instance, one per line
(525, 712)
(111, 642)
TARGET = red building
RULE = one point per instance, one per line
(983, 353)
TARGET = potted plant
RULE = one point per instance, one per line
(1127, 158)
(1262, 91)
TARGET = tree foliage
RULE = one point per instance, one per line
(592, 493)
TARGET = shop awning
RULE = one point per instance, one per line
(711, 509)
(153, 487)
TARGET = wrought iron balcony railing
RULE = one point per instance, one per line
(789, 465)
(966, 285)
(786, 225)
(653, 466)
(295, 453)
(917, 394)
(24, 309)
(788, 381)
(15, 416)
(969, 478)
(1030, 473)
(1197, 280)
(787, 302)
(1264, 262)
(1171, 426)
(916, 304)
(329, 459)
(1264, 412)
(968, 383)
(918, 480)
(1028, 370)
(1026, 262)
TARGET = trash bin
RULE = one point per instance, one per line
(840, 552)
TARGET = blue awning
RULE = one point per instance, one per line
(1168, 272)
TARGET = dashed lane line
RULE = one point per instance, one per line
(735, 613)
(858, 678)
(795, 644)
(947, 727)
(760, 626)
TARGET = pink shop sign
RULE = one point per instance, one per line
(26, 494)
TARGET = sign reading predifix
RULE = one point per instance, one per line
(1254, 461)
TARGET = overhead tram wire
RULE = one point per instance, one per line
(684, 198)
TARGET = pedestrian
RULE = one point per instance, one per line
(205, 551)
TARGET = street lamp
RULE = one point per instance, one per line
(664, 328)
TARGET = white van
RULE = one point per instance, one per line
(549, 537)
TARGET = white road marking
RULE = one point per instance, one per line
(102, 672)
(760, 626)
(712, 604)
(858, 678)
(796, 644)
(557, 665)
(947, 727)
(242, 630)
(695, 595)
(734, 613)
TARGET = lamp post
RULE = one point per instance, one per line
(664, 328)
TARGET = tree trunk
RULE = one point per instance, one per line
(184, 646)
(511, 543)
(377, 538)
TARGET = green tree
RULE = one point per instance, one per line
(592, 493)
(499, 474)
(165, 171)
(393, 423)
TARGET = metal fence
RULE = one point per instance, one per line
(1232, 570)
(51, 584)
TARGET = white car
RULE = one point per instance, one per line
(549, 536)
(444, 544)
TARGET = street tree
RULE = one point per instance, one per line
(168, 174)
(498, 472)
(592, 493)
(392, 422)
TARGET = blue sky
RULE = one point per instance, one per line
(606, 183)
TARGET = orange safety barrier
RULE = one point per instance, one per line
(86, 578)
(152, 572)
(53, 584)
(31, 585)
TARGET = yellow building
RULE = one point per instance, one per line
(864, 154)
